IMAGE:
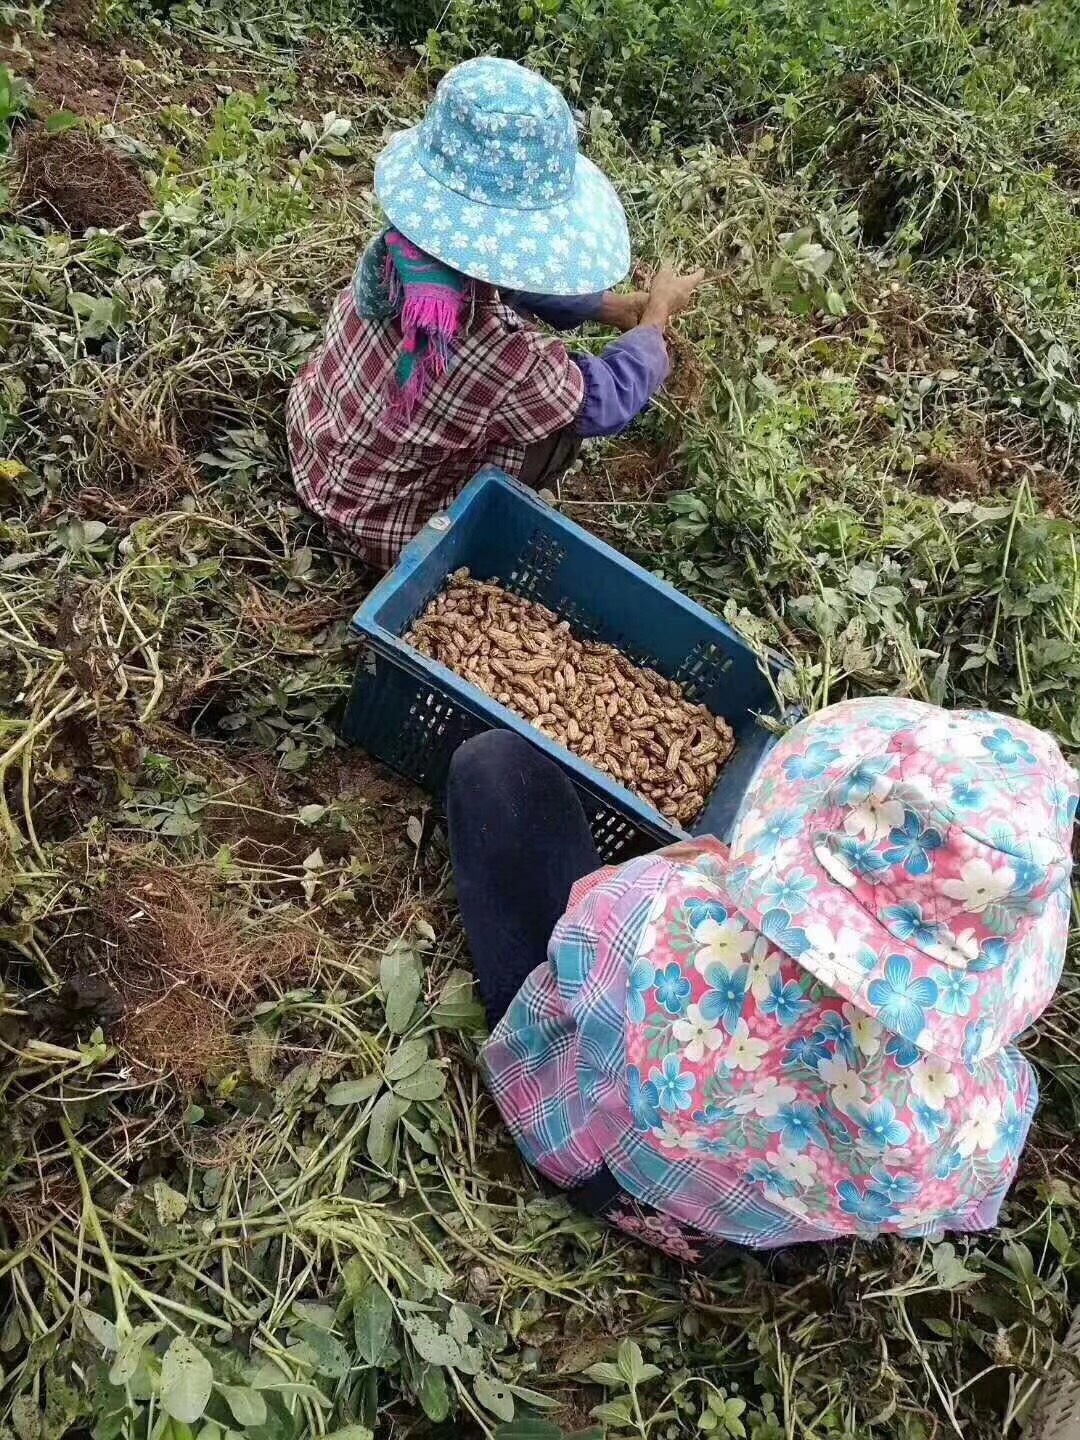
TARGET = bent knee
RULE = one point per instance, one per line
(489, 759)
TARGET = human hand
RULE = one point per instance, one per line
(623, 311)
(669, 294)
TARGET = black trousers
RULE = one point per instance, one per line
(545, 460)
(518, 841)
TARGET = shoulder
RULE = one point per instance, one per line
(625, 910)
(681, 870)
(353, 349)
(518, 341)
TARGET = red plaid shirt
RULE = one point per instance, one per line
(376, 477)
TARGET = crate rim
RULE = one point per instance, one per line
(365, 625)
(421, 545)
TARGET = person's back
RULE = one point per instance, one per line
(377, 471)
(812, 1035)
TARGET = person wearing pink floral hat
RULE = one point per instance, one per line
(807, 1036)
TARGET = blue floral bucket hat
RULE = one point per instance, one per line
(491, 183)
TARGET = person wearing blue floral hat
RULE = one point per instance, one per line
(431, 367)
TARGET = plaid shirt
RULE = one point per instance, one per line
(556, 1067)
(376, 477)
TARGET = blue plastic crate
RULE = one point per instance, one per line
(412, 713)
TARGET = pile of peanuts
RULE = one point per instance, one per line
(627, 721)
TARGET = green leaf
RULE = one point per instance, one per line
(315, 1312)
(330, 1356)
(383, 1127)
(423, 1138)
(350, 1432)
(373, 1319)
(406, 1059)
(537, 1399)
(401, 1000)
(471, 1361)
(618, 1412)
(528, 1429)
(427, 1084)
(268, 1377)
(300, 561)
(11, 1335)
(103, 1331)
(604, 1373)
(1020, 1261)
(130, 1353)
(248, 1406)
(398, 959)
(631, 1365)
(186, 1381)
(352, 1092)
(458, 1007)
(27, 1419)
(432, 1392)
(169, 1203)
(100, 315)
(950, 1270)
(461, 1323)
(430, 1341)
(494, 1396)
(295, 759)
(399, 976)
(938, 1327)
(1060, 1238)
(728, 1411)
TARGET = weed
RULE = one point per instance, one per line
(12, 103)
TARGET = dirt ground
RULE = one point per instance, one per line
(73, 67)
(985, 470)
(68, 68)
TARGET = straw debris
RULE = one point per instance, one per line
(185, 970)
(73, 179)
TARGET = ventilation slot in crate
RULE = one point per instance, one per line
(533, 574)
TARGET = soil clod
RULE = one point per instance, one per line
(75, 180)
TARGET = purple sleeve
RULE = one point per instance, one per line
(620, 383)
(562, 312)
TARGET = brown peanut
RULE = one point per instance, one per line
(631, 722)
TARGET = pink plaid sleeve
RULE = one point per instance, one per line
(534, 1059)
(547, 393)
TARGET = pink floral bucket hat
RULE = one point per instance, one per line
(917, 862)
(817, 1023)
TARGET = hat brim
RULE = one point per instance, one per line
(576, 247)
